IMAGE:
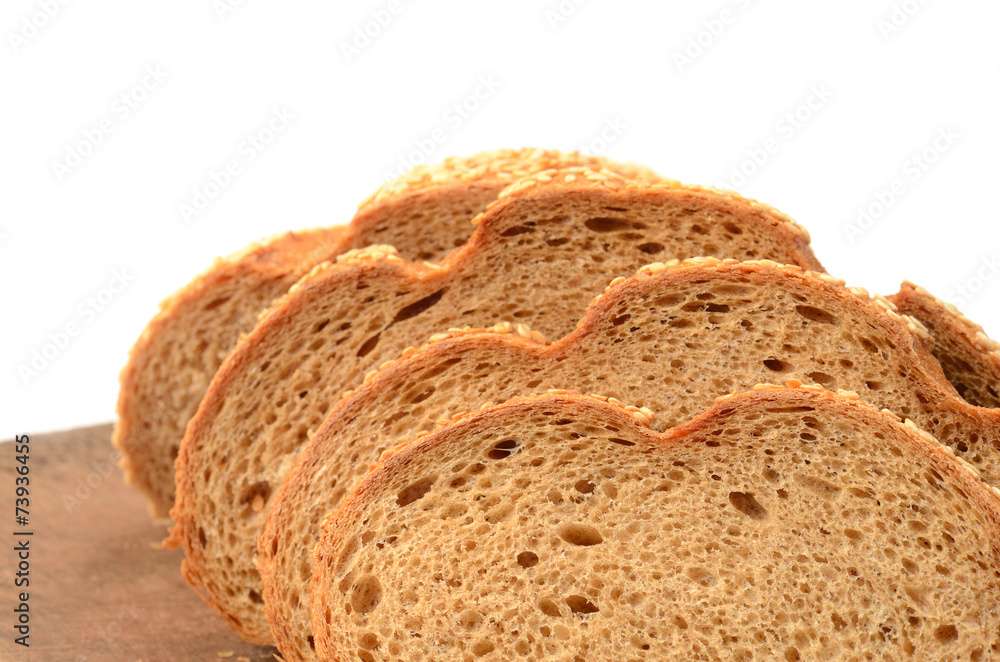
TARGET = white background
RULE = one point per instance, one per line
(564, 72)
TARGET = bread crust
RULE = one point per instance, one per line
(339, 544)
(473, 267)
(970, 359)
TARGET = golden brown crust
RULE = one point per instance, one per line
(970, 359)
(499, 167)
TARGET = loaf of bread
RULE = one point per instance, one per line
(539, 254)
(670, 339)
(781, 524)
(424, 214)
(969, 358)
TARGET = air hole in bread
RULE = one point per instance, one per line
(420, 397)
(946, 633)
(368, 345)
(823, 379)
(415, 491)
(481, 648)
(366, 594)
(440, 368)
(256, 495)
(201, 537)
(503, 449)
(792, 654)
(418, 307)
(621, 319)
(651, 248)
(516, 230)
(581, 605)
(605, 224)
(215, 303)
(548, 607)
(255, 597)
(368, 641)
(746, 503)
(819, 486)
(527, 559)
(584, 486)
(583, 535)
(814, 314)
(701, 576)
(774, 364)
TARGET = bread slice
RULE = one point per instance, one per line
(538, 256)
(670, 339)
(172, 363)
(780, 524)
(970, 359)
(424, 214)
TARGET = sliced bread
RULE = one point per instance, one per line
(540, 253)
(424, 214)
(970, 359)
(670, 339)
(172, 363)
(780, 524)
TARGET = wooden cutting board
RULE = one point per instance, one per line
(102, 588)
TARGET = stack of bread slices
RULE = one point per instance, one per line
(531, 405)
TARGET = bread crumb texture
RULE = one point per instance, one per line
(783, 524)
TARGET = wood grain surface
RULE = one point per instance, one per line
(102, 588)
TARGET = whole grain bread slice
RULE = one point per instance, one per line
(424, 214)
(173, 361)
(670, 339)
(540, 253)
(970, 359)
(780, 524)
